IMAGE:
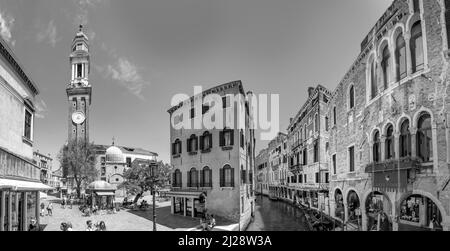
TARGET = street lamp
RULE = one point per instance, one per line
(154, 178)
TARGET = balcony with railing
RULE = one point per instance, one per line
(296, 168)
(395, 173)
(17, 167)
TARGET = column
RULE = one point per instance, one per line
(408, 54)
(9, 207)
(363, 218)
(435, 148)
(397, 145)
(172, 205)
(383, 148)
(185, 206)
(2, 210)
(93, 200)
(192, 208)
(413, 142)
(25, 212)
(38, 204)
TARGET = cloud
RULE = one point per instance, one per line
(48, 34)
(83, 9)
(41, 109)
(128, 75)
(6, 25)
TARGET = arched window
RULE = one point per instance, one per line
(177, 179)
(386, 67)
(226, 138)
(416, 43)
(176, 147)
(192, 143)
(405, 139)
(206, 141)
(389, 146)
(376, 147)
(400, 57)
(373, 79)
(351, 101)
(193, 178)
(424, 138)
(206, 177)
(227, 176)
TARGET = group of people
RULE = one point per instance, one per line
(67, 202)
(49, 209)
(90, 226)
(100, 226)
(207, 222)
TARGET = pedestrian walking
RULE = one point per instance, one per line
(71, 202)
(50, 209)
(42, 209)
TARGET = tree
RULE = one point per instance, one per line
(78, 159)
(144, 175)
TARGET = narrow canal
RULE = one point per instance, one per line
(277, 216)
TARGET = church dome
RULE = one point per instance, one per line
(100, 185)
(114, 155)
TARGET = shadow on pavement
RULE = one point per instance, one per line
(165, 218)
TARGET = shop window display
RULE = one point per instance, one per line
(420, 211)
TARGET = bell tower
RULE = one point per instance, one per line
(79, 90)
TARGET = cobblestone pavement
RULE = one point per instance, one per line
(121, 221)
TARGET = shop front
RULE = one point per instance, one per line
(339, 204)
(419, 213)
(188, 203)
(379, 212)
(354, 210)
(19, 204)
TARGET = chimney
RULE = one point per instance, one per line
(310, 91)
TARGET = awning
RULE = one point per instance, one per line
(24, 185)
(184, 194)
(105, 193)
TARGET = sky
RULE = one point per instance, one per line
(143, 52)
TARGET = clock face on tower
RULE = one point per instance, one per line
(78, 118)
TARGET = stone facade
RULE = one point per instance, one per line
(19, 177)
(277, 169)
(392, 141)
(216, 165)
(308, 143)
(262, 176)
(112, 169)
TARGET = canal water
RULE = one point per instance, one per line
(277, 216)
